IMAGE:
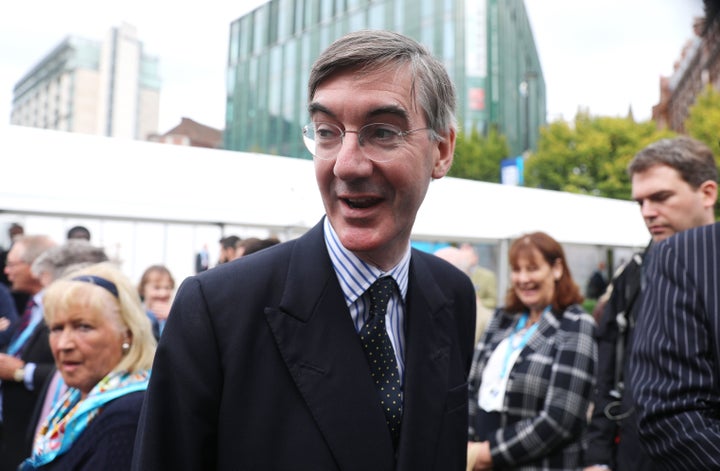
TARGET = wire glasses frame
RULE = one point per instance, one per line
(377, 141)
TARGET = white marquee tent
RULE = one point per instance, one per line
(51, 176)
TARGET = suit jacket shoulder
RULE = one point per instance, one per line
(675, 364)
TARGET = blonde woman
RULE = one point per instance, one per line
(103, 347)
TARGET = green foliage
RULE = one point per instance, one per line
(590, 157)
(703, 122)
(477, 157)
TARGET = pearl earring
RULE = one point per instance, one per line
(125, 347)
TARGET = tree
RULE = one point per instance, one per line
(590, 157)
(478, 157)
(703, 120)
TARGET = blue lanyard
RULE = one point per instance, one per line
(523, 340)
(18, 343)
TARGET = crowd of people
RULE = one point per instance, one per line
(84, 344)
(346, 348)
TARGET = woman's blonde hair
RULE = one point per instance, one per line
(68, 292)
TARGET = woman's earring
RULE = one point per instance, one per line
(125, 347)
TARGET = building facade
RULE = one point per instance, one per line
(109, 88)
(486, 45)
(697, 68)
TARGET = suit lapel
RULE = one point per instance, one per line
(429, 320)
(316, 337)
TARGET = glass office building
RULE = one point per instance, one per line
(486, 45)
(107, 88)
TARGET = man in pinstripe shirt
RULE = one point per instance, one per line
(675, 365)
(675, 183)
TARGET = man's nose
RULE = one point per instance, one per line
(350, 161)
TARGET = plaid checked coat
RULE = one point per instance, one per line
(548, 391)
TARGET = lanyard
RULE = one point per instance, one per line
(18, 343)
(511, 348)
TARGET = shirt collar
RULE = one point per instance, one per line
(355, 275)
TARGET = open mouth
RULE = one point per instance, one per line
(361, 203)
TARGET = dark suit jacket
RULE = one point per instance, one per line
(19, 403)
(675, 363)
(260, 367)
(9, 311)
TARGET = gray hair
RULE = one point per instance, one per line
(368, 51)
(61, 259)
(693, 160)
(33, 246)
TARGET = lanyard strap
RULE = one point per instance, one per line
(511, 348)
(18, 343)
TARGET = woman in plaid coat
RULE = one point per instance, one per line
(534, 369)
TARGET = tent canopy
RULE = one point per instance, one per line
(91, 176)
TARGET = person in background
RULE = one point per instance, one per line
(48, 267)
(156, 289)
(254, 244)
(9, 301)
(227, 248)
(102, 344)
(597, 283)
(483, 279)
(202, 260)
(675, 183)
(465, 260)
(8, 316)
(534, 369)
(15, 231)
(264, 361)
(73, 254)
(78, 232)
(26, 363)
(242, 243)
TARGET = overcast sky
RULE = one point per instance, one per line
(604, 55)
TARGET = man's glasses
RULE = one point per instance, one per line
(377, 141)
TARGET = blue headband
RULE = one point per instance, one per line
(101, 282)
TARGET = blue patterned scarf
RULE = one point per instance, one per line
(72, 414)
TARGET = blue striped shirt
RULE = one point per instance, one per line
(356, 276)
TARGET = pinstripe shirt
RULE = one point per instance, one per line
(356, 276)
(548, 391)
(675, 360)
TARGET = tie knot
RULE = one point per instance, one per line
(380, 292)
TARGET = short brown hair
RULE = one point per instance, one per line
(692, 159)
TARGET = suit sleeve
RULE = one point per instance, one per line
(674, 366)
(178, 423)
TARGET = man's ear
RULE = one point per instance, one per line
(444, 157)
(710, 193)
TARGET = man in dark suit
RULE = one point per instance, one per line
(262, 365)
(676, 358)
(27, 361)
(674, 181)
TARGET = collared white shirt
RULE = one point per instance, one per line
(356, 276)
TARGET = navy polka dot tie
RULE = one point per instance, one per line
(381, 356)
